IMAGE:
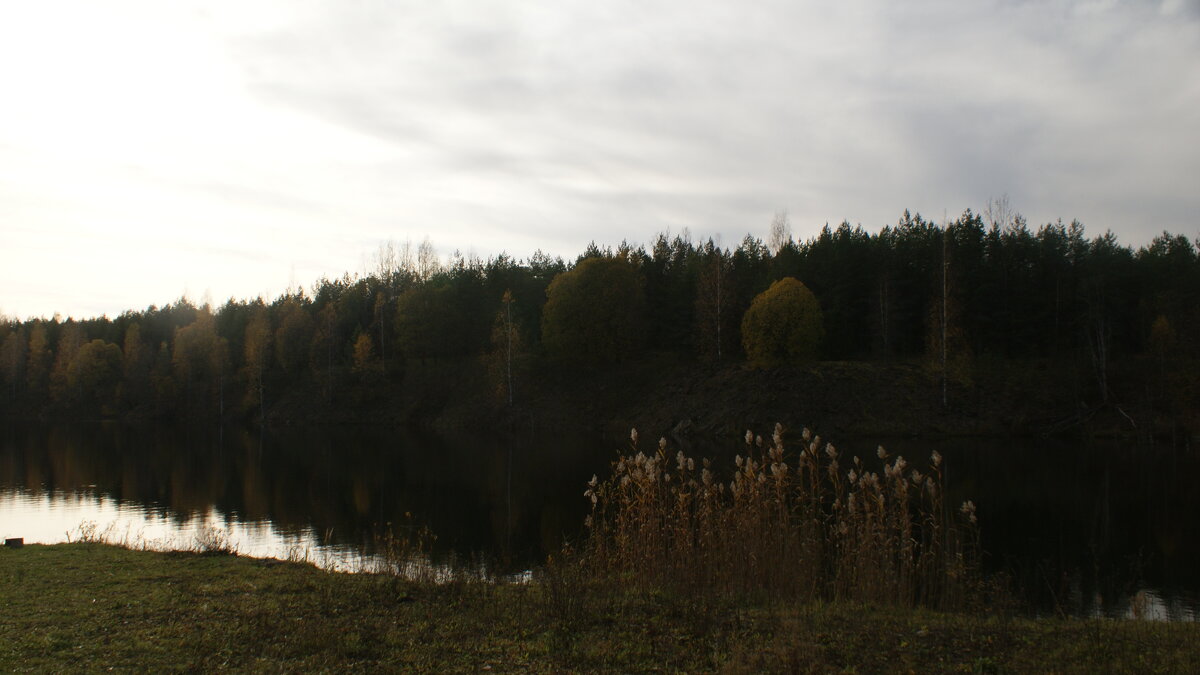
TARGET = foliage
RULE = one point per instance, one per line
(200, 359)
(364, 355)
(94, 375)
(985, 289)
(593, 311)
(783, 325)
(293, 336)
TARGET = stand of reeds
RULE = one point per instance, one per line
(786, 524)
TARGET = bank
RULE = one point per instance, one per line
(92, 607)
(666, 395)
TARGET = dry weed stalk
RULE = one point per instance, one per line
(788, 523)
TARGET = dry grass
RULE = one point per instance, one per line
(790, 524)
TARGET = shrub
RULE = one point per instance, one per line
(783, 325)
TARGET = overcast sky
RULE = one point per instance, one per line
(150, 149)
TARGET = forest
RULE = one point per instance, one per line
(973, 290)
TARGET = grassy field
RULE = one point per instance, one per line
(93, 607)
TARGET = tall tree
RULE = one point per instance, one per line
(293, 336)
(13, 360)
(716, 321)
(37, 369)
(199, 360)
(257, 358)
(136, 362)
(592, 311)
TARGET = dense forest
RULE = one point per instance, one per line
(974, 290)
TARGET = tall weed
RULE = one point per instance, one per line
(785, 523)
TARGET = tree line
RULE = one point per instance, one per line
(983, 286)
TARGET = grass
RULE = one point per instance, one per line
(92, 607)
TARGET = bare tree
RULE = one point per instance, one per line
(393, 261)
(427, 260)
(781, 232)
(999, 213)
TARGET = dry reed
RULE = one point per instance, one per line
(787, 524)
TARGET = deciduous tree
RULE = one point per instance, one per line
(592, 311)
(783, 325)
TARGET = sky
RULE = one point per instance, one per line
(153, 150)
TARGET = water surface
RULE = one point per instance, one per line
(1086, 529)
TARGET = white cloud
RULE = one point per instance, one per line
(236, 141)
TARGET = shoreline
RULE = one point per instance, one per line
(93, 606)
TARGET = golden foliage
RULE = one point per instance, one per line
(783, 325)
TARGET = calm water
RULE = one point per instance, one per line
(1096, 530)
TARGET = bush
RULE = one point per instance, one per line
(783, 325)
(592, 311)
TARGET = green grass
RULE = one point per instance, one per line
(92, 607)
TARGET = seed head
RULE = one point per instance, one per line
(633, 436)
(691, 465)
(830, 450)
(852, 476)
(936, 458)
(968, 510)
(806, 435)
(662, 443)
(881, 452)
(749, 437)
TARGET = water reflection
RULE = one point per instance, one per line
(329, 494)
(1092, 530)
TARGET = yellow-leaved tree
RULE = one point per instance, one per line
(783, 325)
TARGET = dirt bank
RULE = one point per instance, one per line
(668, 396)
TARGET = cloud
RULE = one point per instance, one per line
(306, 129)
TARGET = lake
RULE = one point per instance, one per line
(1088, 529)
